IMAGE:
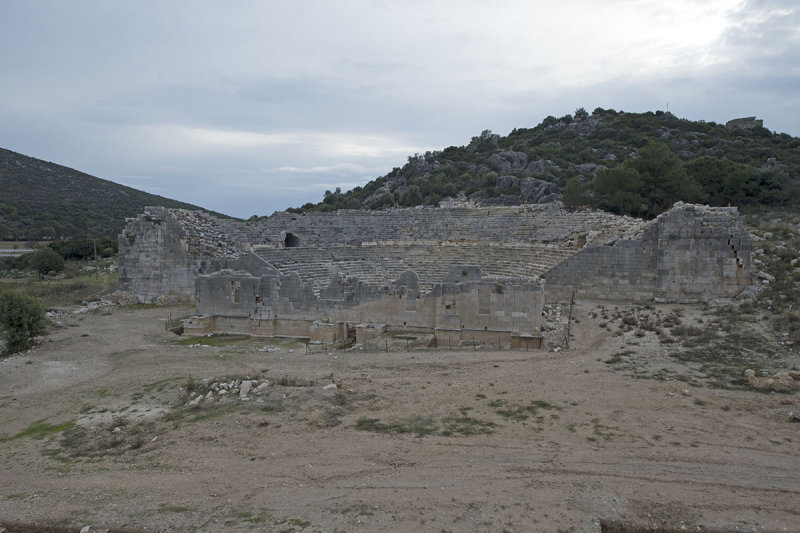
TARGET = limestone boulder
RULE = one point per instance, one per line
(124, 298)
(541, 166)
(507, 182)
(536, 191)
(590, 169)
(509, 161)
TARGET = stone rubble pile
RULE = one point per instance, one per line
(780, 382)
(204, 234)
(554, 324)
(243, 389)
(124, 298)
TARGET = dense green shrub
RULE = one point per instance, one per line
(22, 318)
(81, 249)
(46, 260)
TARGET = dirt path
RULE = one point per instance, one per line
(516, 441)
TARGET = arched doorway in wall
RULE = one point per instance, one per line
(291, 240)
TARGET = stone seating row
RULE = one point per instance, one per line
(527, 224)
(380, 265)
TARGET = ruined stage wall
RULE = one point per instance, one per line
(154, 258)
(249, 304)
(690, 253)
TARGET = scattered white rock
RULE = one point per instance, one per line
(245, 388)
(330, 386)
(765, 276)
(261, 388)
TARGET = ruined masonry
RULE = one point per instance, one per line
(448, 275)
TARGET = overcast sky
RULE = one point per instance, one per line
(248, 107)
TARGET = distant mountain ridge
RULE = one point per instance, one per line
(42, 200)
(591, 160)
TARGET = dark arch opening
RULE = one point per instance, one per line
(291, 241)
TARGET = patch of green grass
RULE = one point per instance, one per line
(466, 425)
(41, 429)
(698, 401)
(519, 412)
(273, 406)
(248, 517)
(117, 437)
(296, 522)
(418, 425)
(73, 290)
(172, 508)
(516, 413)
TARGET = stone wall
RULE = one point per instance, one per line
(154, 258)
(467, 305)
(163, 251)
(690, 253)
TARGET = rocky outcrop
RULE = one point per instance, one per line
(536, 191)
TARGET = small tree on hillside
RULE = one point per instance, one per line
(576, 194)
(22, 318)
(646, 185)
(46, 260)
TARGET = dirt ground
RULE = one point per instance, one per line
(95, 429)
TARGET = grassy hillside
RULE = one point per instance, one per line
(42, 200)
(597, 159)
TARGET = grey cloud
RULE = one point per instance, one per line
(89, 84)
